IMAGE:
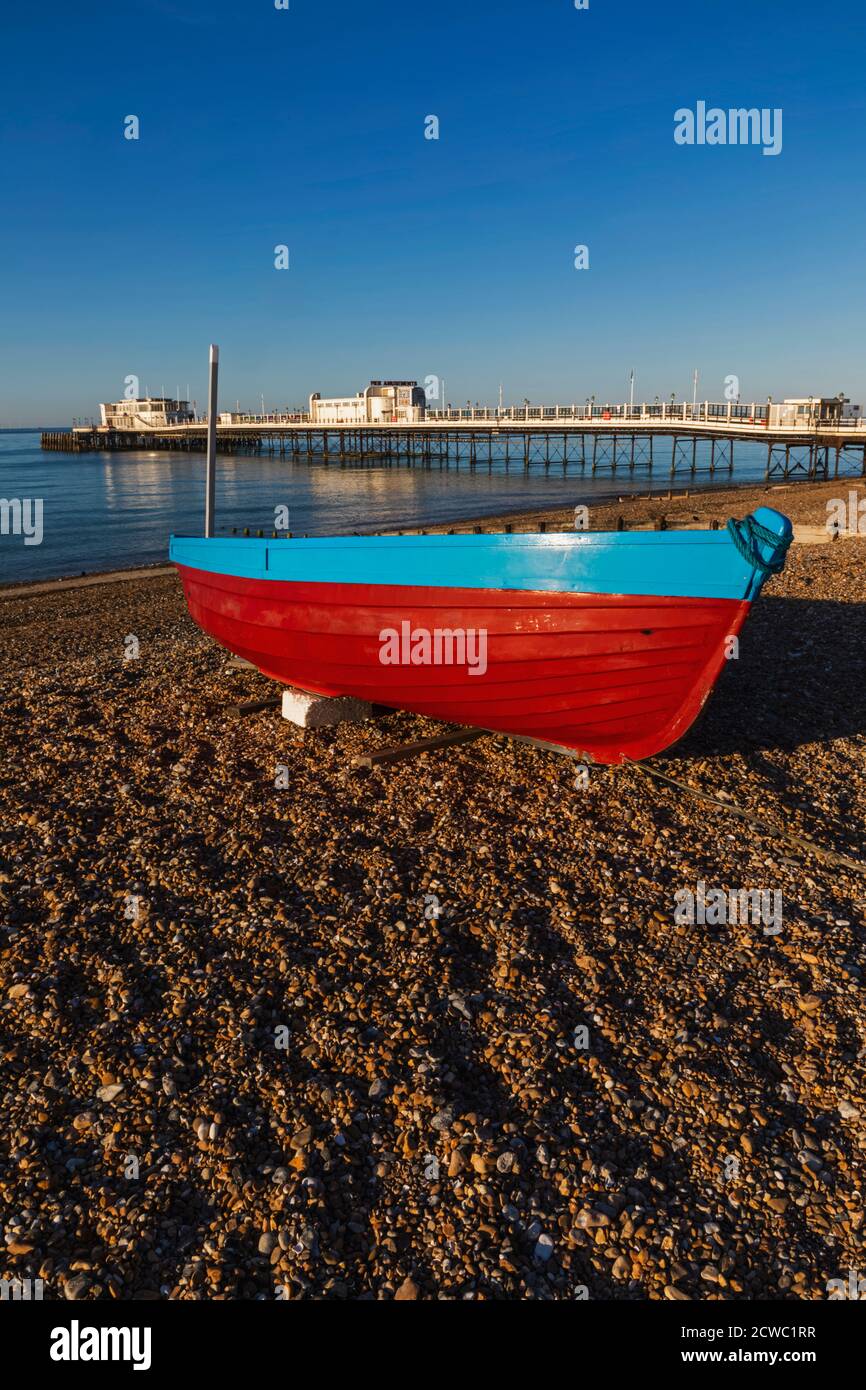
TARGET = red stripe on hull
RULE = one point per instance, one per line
(612, 676)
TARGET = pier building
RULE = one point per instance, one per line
(148, 412)
(804, 412)
(382, 403)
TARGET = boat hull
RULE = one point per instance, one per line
(612, 676)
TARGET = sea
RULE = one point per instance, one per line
(106, 511)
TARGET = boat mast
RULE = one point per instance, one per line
(210, 483)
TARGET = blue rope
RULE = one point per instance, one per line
(748, 534)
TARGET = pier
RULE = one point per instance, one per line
(671, 440)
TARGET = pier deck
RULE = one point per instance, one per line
(681, 441)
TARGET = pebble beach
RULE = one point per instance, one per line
(274, 1026)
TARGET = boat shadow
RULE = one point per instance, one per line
(800, 678)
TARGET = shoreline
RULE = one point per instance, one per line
(604, 511)
(691, 505)
(84, 581)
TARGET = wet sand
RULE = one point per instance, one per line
(430, 1031)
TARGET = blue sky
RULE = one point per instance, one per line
(414, 257)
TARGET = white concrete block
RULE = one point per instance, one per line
(310, 711)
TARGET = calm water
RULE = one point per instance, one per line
(105, 511)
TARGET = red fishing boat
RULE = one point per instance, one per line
(605, 643)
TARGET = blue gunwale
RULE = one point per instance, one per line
(676, 564)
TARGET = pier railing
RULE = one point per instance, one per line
(707, 412)
(676, 413)
(702, 412)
